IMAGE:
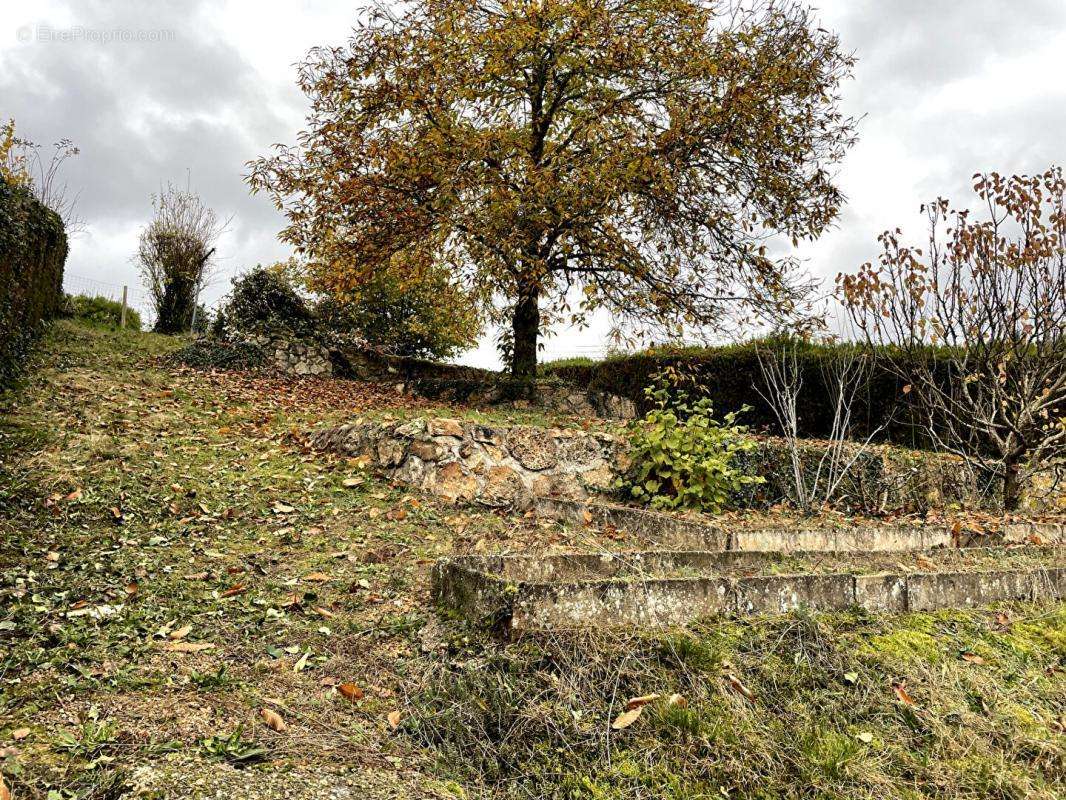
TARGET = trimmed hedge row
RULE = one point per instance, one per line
(33, 249)
(731, 378)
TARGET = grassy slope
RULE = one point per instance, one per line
(137, 500)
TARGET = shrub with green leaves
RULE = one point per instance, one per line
(264, 299)
(682, 457)
(100, 311)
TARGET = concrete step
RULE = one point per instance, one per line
(671, 530)
(658, 588)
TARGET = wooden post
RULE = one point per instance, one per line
(122, 317)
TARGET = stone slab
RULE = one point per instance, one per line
(661, 588)
(778, 594)
(881, 593)
(662, 528)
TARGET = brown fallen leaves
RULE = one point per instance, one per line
(187, 647)
(902, 695)
(635, 707)
(181, 632)
(273, 720)
(738, 686)
(350, 691)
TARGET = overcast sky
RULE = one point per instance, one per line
(164, 91)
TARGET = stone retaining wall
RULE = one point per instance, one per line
(502, 467)
(702, 533)
(294, 356)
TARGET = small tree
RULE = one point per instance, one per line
(640, 150)
(23, 163)
(408, 308)
(977, 325)
(175, 254)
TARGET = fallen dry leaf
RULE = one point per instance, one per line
(235, 589)
(350, 691)
(5, 793)
(394, 719)
(187, 647)
(901, 693)
(973, 658)
(181, 632)
(739, 687)
(317, 577)
(20, 733)
(676, 700)
(627, 718)
(273, 720)
(643, 700)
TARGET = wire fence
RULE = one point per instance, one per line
(136, 298)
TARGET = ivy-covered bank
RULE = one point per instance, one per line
(33, 249)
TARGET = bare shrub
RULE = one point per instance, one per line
(844, 375)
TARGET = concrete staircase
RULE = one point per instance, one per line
(705, 569)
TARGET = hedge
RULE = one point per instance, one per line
(100, 311)
(33, 249)
(731, 377)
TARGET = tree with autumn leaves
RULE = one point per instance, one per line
(974, 325)
(642, 152)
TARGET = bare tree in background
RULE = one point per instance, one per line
(843, 375)
(24, 162)
(977, 325)
(175, 255)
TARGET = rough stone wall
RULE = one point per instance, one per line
(295, 356)
(502, 467)
(509, 466)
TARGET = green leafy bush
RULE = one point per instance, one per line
(430, 317)
(100, 311)
(264, 299)
(682, 457)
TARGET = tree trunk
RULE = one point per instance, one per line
(175, 311)
(525, 326)
(1013, 487)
